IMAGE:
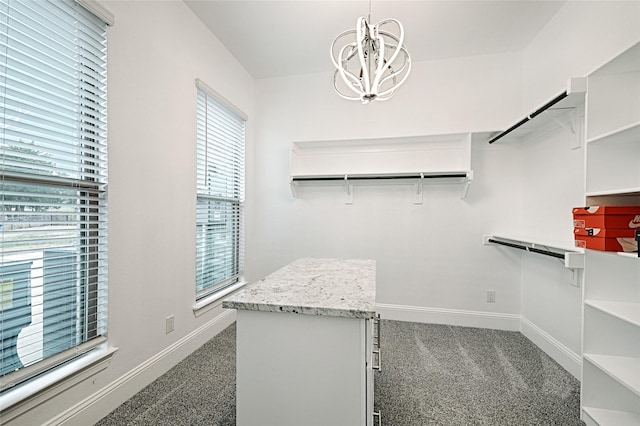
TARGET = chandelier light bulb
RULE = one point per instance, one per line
(372, 62)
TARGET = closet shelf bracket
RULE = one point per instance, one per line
(464, 190)
(571, 125)
(349, 188)
(418, 193)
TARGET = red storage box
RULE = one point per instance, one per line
(607, 244)
(614, 217)
(604, 232)
(606, 239)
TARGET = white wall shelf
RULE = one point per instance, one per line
(631, 192)
(626, 311)
(616, 197)
(622, 369)
(614, 96)
(628, 132)
(572, 256)
(415, 160)
(628, 254)
(561, 111)
(600, 416)
(613, 159)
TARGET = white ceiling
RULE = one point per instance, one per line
(278, 38)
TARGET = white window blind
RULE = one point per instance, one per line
(53, 175)
(220, 193)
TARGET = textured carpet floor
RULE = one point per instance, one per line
(200, 390)
(443, 375)
(431, 375)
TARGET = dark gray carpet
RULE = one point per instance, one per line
(431, 375)
(200, 390)
(443, 375)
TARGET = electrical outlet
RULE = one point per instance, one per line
(169, 324)
(491, 296)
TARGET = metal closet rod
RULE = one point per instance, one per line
(531, 249)
(539, 111)
(381, 177)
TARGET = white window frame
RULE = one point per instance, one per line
(233, 150)
(60, 372)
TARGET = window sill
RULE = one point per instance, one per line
(24, 397)
(204, 305)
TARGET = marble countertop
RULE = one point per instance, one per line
(332, 287)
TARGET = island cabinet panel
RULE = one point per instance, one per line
(295, 369)
(306, 345)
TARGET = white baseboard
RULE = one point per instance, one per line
(101, 403)
(496, 321)
(568, 359)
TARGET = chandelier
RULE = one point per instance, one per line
(374, 64)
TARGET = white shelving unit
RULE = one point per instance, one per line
(611, 339)
(416, 160)
(611, 309)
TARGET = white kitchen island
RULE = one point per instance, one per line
(305, 345)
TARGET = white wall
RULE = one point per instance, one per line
(430, 255)
(553, 182)
(156, 50)
(580, 38)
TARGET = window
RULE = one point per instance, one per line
(220, 193)
(53, 223)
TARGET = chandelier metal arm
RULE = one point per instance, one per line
(363, 37)
(352, 81)
(341, 35)
(342, 95)
(380, 66)
(399, 40)
(406, 65)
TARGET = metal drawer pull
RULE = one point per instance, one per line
(378, 366)
(376, 342)
(379, 416)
